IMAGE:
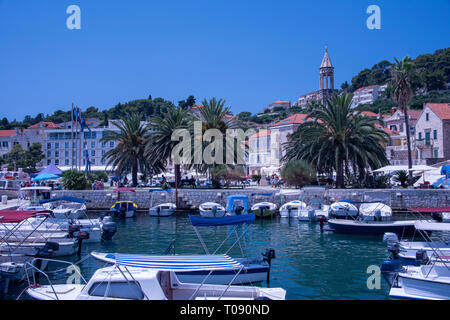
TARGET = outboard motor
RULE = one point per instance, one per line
(437, 216)
(238, 210)
(322, 219)
(81, 235)
(390, 269)
(392, 244)
(422, 257)
(377, 215)
(289, 209)
(214, 210)
(109, 229)
(102, 216)
(268, 256)
(73, 229)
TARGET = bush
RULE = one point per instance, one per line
(96, 176)
(74, 180)
(298, 173)
(401, 177)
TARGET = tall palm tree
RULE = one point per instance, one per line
(402, 93)
(336, 139)
(159, 143)
(128, 155)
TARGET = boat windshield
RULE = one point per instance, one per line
(117, 289)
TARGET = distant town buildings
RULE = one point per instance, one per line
(367, 95)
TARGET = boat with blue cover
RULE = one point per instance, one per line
(254, 270)
(237, 205)
(65, 207)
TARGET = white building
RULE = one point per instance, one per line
(367, 95)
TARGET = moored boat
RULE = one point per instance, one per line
(292, 209)
(163, 210)
(211, 210)
(264, 209)
(344, 226)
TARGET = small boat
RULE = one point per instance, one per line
(425, 282)
(154, 278)
(66, 207)
(361, 227)
(163, 210)
(375, 211)
(440, 214)
(343, 210)
(292, 209)
(314, 211)
(264, 209)
(237, 205)
(124, 209)
(211, 210)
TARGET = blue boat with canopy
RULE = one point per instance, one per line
(66, 207)
(237, 205)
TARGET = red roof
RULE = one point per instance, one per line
(363, 88)
(387, 130)
(281, 101)
(369, 114)
(441, 109)
(297, 118)
(6, 133)
(261, 133)
(48, 125)
(197, 106)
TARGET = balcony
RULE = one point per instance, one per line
(423, 144)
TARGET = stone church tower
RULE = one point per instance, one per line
(326, 72)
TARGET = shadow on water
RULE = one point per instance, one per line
(308, 264)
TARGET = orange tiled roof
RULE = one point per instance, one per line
(369, 114)
(197, 106)
(261, 133)
(387, 130)
(363, 88)
(297, 118)
(6, 133)
(441, 109)
(49, 125)
(281, 101)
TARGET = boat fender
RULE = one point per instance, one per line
(109, 230)
(422, 257)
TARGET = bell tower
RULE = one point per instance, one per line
(326, 72)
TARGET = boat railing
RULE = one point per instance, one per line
(33, 270)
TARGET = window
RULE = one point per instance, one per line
(49, 161)
(436, 153)
(49, 145)
(56, 145)
(427, 116)
(5, 144)
(435, 134)
(420, 135)
(49, 154)
(66, 145)
(66, 154)
(92, 144)
(67, 162)
(56, 154)
(111, 144)
(56, 161)
(121, 290)
(92, 153)
(92, 161)
(427, 138)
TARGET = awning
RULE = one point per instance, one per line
(64, 198)
(223, 221)
(431, 210)
(52, 169)
(404, 168)
(18, 216)
(176, 263)
(46, 176)
(432, 226)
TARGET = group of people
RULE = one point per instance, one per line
(98, 185)
(274, 180)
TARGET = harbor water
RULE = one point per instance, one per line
(308, 264)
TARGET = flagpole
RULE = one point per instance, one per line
(71, 126)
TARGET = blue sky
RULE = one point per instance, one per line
(247, 52)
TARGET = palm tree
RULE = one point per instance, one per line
(402, 93)
(159, 143)
(336, 139)
(128, 155)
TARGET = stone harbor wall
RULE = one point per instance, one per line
(190, 198)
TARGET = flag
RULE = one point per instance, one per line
(88, 163)
(84, 124)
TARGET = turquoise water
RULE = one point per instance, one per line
(308, 264)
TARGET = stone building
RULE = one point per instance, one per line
(367, 95)
(432, 136)
(326, 84)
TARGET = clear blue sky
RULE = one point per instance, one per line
(250, 53)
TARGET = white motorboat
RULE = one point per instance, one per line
(66, 207)
(375, 211)
(264, 209)
(67, 247)
(314, 211)
(292, 209)
(163, 210)
(343, 210)
(211, 210)
(147, 278)
(426, 282)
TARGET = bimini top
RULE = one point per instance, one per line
(176, 263)
(231, 199)
(154, 190)
(63, 198)
(17, 216)
(432, 226)
(222, 221)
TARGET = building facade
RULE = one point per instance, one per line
(367, 95)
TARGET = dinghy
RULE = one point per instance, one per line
(123, 209)
(163, 210)
(375, 211)
(292, 209)
(343, 210)
(264, 209)
(211, 210)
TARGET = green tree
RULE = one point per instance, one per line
(25, 159)
(337, 139)
(128, 155)
(402, 178)
(298, 173)
(74, 180)
(402, 93)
